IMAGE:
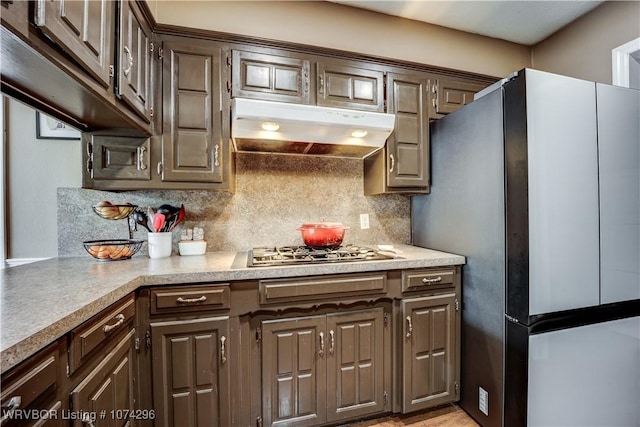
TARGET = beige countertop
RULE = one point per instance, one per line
(41, 302)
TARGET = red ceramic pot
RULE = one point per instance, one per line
(322, 234)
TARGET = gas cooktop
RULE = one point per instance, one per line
(289, 255)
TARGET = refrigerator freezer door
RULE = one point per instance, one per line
(619, 160)
(562, 193)
(585, 376)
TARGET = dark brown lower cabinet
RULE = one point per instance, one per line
(190, 372)
(430, 349)
(320, 369)
(106, 395)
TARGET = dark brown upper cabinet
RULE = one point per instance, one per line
(195, 139)
(135, 50)
(402, 166)
(84, 29)
(284, 76)
(271, 77)
(114, 158)
(449, 95)
(349, 86)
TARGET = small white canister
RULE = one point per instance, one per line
(160, 245)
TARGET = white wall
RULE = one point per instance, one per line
(35, 170)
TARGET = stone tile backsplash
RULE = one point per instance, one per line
(274, 195)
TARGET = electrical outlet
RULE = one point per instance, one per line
(483, 401)
(364, 221)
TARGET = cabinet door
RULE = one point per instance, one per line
(108, 388)
(270, 77)
(429, 364)
(117, 158)
(350, 87)
(84, 29)
(195, 113)
(191, 372)
(355, 365)
(408, 145)
(294, 371)
(449, 95)
(134, 59)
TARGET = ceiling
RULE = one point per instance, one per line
(523, 22)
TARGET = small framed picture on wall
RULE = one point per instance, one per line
(50, 128)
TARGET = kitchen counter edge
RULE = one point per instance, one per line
(43, 301)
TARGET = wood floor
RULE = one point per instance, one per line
(445, 416)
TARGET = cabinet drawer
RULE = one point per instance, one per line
(91, 335)
(320, 287)
(415, 280)
(33, 381)
(190, 298)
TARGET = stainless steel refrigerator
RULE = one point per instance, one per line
(537, 183)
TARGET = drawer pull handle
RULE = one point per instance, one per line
(409, 327)
(181, 300)
(223, 356)
(119, 321)
(331, 341)
(321, 352)
(7, 410)
(434, 280)
(87, 419)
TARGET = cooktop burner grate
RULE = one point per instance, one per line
(288, 255)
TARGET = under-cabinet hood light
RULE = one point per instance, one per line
(307, 129)
(270, 126)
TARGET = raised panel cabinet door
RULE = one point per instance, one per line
(194, 120)
(350, 87)
(134, 59)
(294, 355)
(450, 95)
(270, 77)
(191, 385)
(117, 158)
(108, 389)
(408, 144)
(429, 373)
(84, 29)
(355, 364)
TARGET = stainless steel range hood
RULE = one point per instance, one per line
(307, 129)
